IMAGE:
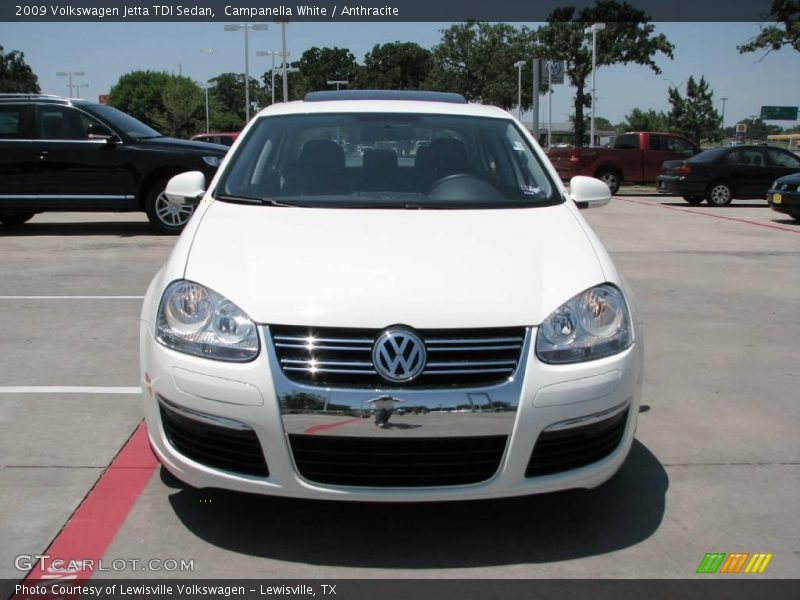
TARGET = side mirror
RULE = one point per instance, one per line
(101, 132)
(588, 192)
(186, 187)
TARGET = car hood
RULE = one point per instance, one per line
(791, 179)
(378, 267)
(168, 143)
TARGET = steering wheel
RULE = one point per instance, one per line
(463, 186)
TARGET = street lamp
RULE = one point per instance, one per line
(247, 27)
(722, 120)
(273, 54)
(338, 82)
(78, 87)
(518, 65)
(284, 66)
(70, 74)
(207, 85)
(285, 69)
(593, 30)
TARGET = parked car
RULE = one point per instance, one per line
(224, 139)
(310, 286)
(636, 157)
(721, 174)
(60, 154)
(784, 195)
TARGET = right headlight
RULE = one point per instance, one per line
(593, 324)
(197, 320)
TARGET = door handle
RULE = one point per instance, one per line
(43, 154)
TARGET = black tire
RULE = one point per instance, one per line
(719, 194)
(695, 200)
(611, 178)
(15, 218)
(163, 214)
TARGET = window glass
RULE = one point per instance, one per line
(627, 142)
(783, 159)
(676, 144)
(63, 123)
(655, 142)
(384, 159)
(12, 118)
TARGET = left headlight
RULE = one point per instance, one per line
(593, 324)
(197, 320)
(213, 161)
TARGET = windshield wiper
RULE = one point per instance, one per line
(251, 200)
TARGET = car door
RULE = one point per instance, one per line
(748, 171)
(18, 157)
(655, 156)
(76, 170)
(630, 156)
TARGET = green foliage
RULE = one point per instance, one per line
(141, 95)
(15, 74)
(477, 59)
(756, 129)
(694, 116)
(639, 120)
(627, 38)
(295, 81)
(183, 108)
(227, 100)
(319, 65)
(785, 32)
(395, 66)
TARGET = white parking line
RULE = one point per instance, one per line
(71, 297)
(67, 389)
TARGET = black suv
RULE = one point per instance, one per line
(75, 155)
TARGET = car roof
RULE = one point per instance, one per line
(384, 101)
(45, 98)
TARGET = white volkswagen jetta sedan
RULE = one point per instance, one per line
(389, 296)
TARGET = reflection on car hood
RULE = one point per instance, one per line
(378, 267)
(169, 143)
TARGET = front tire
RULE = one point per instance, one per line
(15, 218)
(694, 200)
(719, 194)
(164, 214)
(611, 178)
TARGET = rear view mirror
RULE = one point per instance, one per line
(186, 187)
(100, 132)
(588, 192)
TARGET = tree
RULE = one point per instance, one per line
(756, 129)
(227, 98)
(786, 32)
(695, 115)
(320, 65)
(639, 120)
(141, 95)
(477, 59)
(294, 79)
(395, 66)
(15, 75)
(627, 38)
(183, 104)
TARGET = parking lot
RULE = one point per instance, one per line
(716, 465)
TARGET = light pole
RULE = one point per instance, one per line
(593, 30)
(518, 65)
(284, 54)
(338, 82)
(722, 120)
(205, 87)
(273, 54)
(285, 70)
(247, 27)
(70, 74)
(78, 87)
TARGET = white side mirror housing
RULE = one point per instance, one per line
(186, 187)
(588, 192)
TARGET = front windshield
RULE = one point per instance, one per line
(387, 160)
(124, 122)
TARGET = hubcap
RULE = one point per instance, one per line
(610, 180)
(720, 194)
(174, 214)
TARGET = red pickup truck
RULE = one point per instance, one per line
(636, 157)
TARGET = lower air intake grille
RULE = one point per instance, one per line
(412, 462)
(225, 448)
(567, 449)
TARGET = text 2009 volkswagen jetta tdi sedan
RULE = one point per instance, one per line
(389, 296)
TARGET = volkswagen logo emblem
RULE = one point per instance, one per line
(398, 355)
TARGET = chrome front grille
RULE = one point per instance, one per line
(343, 357)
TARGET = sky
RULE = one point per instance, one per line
(105, 51)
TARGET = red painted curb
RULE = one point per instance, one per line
(316, 428)
(76, 551)
(700, 212)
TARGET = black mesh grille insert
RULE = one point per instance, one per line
(327, 356)
(410, 462)
(558, 451)
(234, 450)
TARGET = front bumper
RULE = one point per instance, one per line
(549, 397)
(784, 201)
